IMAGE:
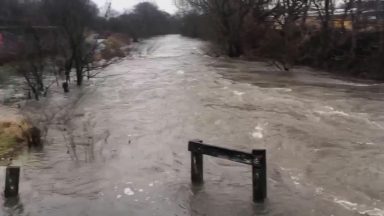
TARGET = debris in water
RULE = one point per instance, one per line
(258, 133)
(128, 191)
(319, 190)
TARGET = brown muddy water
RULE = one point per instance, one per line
(119, 145)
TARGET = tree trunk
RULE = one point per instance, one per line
(235, 48)
(79, 67)
(355, 29)
(35, 93)
(79, 75)
(68, 67)
(380, 24)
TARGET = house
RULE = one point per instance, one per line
(10, 46)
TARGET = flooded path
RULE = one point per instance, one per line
(128, 155)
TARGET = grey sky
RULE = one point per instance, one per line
(121, 5)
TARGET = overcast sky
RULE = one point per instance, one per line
(121, 5)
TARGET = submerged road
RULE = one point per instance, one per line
(122, 147)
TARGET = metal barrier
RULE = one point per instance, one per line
(257, 159)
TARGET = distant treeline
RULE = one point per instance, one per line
(344, 36)
(48, 38)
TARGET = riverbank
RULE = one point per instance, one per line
(119, 144)
(13, 132)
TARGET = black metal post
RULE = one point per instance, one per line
(12, 181)
(259, 175)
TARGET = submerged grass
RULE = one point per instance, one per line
(7, 144)
(12, 136)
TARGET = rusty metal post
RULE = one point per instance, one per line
(259, 175)
(12, 177)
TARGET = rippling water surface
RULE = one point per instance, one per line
(128, 152)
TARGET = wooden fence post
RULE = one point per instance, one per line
(257, 159)
(197, 166)
(12, 177)
(259, 175)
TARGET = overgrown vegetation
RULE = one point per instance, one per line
(343, 36)
(54, 39)
(12, 134)
(59, 39)
(6, 143)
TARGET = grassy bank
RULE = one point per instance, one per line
(13, 133)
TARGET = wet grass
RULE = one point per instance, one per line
(11, 136)
(7, 144)
(6, 74)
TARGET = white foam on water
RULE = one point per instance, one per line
(258, 133)
(319, 190)
(217, 122)
(357, 84)
(150, 184)
(141, 190)
(238, 93)
(377, 125)
(346, 204)
(180, 72)
(373, 212)
(351, 206)
(361, 209)
(327, 110)
(128, 191)
(118, 196)
(295, 180)
(282, 89)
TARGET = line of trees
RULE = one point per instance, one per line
(342, 36)
(145, 20)
(52, 37)
(345, 35)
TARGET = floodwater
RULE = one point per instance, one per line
(119, 145)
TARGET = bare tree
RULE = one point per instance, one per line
(74, 17)
(32, 65)
(229, 16)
